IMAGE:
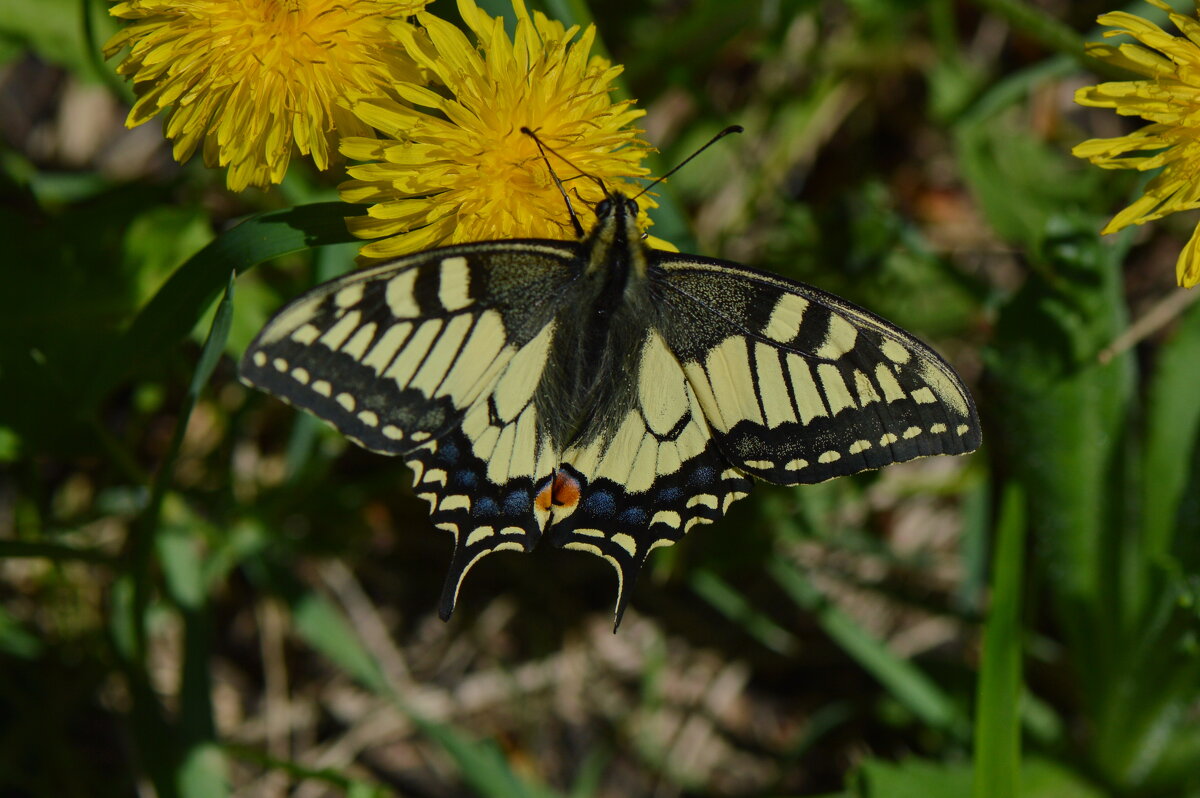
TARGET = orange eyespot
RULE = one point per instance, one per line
(562, 491)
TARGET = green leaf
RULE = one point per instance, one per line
(78, 273)
(1172, 434)
(1038, 24)
(179, 553)
(204, 773)
(912, 778)
(244, 539)
(301, 772)
(589, 775)
(1061, 428)
(717, 592)
(186, 570)
(327, 630)
(159, 241)
(1060, 421)
(919, 778)
(182, 301)
(1018, 181)
(55, 30)
(482, 764)
(997, 719)
(15, 640)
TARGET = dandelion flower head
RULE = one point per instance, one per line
(1169, 99)
(455, 165)
(253, 80)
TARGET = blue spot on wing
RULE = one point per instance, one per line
(634, 516)
(447, 452)
(668, 495)
(517, 502)
(485, 506)
(601, 503)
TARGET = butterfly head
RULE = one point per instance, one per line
(616, 205)
(617, 234)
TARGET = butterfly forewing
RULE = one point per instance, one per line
(799, 386)
(393, 356)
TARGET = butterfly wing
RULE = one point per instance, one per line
(649, 478)
(435, 357)
(723, 372)
(738, 373)
(799, 386)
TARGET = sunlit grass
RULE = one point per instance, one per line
(210, 594)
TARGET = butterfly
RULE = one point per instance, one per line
(600, 393)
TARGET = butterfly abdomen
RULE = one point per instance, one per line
(585, 389)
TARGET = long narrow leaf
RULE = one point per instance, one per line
(997, 713)
(202, 765)
(907, 683)
(1173, 422)
(717, 592)
(183, 299)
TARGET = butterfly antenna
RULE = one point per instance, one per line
(685, 161)
(543, 148)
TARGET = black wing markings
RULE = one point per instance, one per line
(924, 409)
(391, 416)
(628, 486)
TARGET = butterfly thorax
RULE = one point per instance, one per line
(599, 333)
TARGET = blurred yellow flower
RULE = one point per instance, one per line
(456, 167)
(1170, 100)
(255, 80)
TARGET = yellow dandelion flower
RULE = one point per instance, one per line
(1170, 101)
(255, 80)
(456, 167)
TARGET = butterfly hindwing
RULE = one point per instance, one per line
(482, 514)
(800, 386)
(623, 492)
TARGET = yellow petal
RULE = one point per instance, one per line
(1187, 268)
(259, 84)
(458, 155)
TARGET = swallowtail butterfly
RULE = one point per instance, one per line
(600, 393)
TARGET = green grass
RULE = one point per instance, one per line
(204, 593)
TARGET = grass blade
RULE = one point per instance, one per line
(1173, 424)
(325, 627)
(997, 713)
(905, 681)
(717, 592)
(160, 747)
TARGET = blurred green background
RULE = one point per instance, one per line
(204, 593)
